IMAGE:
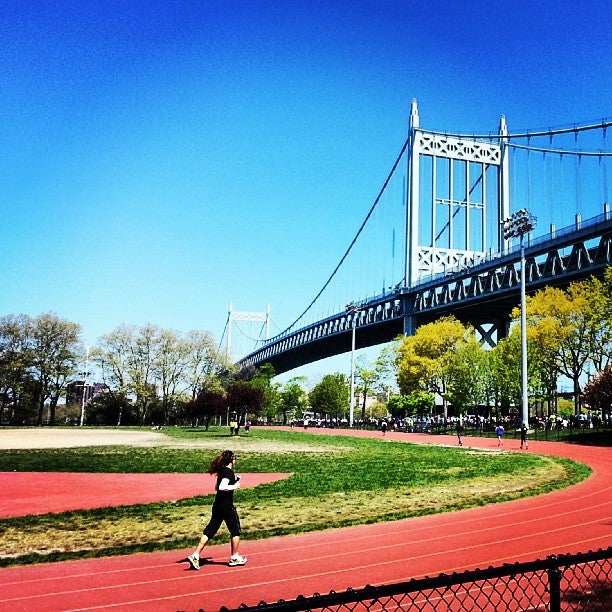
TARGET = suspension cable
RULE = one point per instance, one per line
(578, 153)
(223, 334)
(352, 244)
(551, 132)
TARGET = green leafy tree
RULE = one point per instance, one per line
(505, 366)
(16, 383)
(108, 409)
(386, 372)
(110, 356)
(599, 296)
(331, 396)
(468, 373)
(417, 402)
(366, 378)
(294, 398)
(263, 379)
(169, 365)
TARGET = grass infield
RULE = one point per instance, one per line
(337, 481)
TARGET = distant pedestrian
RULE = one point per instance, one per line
(233, 427)
(524, 431)
(383, 427)
(223, 509)
(459, 429)
(247, 426)
(500, 435)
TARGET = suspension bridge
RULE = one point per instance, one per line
(433, 242)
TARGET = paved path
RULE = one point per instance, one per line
(575, 519)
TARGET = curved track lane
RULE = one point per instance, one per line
(575, 519)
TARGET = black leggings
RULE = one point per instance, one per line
(220, 514)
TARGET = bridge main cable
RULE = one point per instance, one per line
(352, 244)
(570, 130)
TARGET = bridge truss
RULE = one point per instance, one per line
(482, 295)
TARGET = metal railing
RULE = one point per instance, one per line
(572, 582)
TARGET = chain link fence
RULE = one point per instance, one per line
(577, 583)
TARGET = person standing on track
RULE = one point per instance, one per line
(524, 431)
(459, 429)
(223, 509)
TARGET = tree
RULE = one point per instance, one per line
(109, 409)
(561, 321)
(386, 371)
(16, 383)
(159, 369)
(331, 396)
(204, 363)
(505, 364)
(599, 296)
(598, 392)
(169, 364)
(293, 397)
(468, 373)
(205, 406)
(424, 360)
(55, 346)
(366, 377)
(111, 356)
(418, 402)
(245, 398)
(263, 380)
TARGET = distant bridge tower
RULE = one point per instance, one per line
(250, 317)
(458, 195)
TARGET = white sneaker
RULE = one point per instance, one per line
(195, 561)
(237, 560)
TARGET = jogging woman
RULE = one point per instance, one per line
(223, 509)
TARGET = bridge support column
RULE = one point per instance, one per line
(409, 325)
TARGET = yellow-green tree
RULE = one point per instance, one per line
(561, 325)
(599, 296)
(470, 375)
(424, 360)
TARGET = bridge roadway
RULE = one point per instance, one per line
(480, 295)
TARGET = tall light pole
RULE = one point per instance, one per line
(85, 373)
(517, 225)
(353, 310)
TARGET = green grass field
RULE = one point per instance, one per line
(337, 481)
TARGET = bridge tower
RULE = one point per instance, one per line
(458, 195)
(250, 317)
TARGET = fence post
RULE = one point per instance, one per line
(554, 585)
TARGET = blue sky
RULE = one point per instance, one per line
(161, 158)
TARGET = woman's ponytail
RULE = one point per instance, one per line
(220, 461)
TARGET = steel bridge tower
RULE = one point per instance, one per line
(251, 317)
(458, 195)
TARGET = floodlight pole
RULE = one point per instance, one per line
(524, 398)
(85, 373)
(352, 309)
(517, 225)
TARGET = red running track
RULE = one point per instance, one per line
(575, 519)
(42, 492)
